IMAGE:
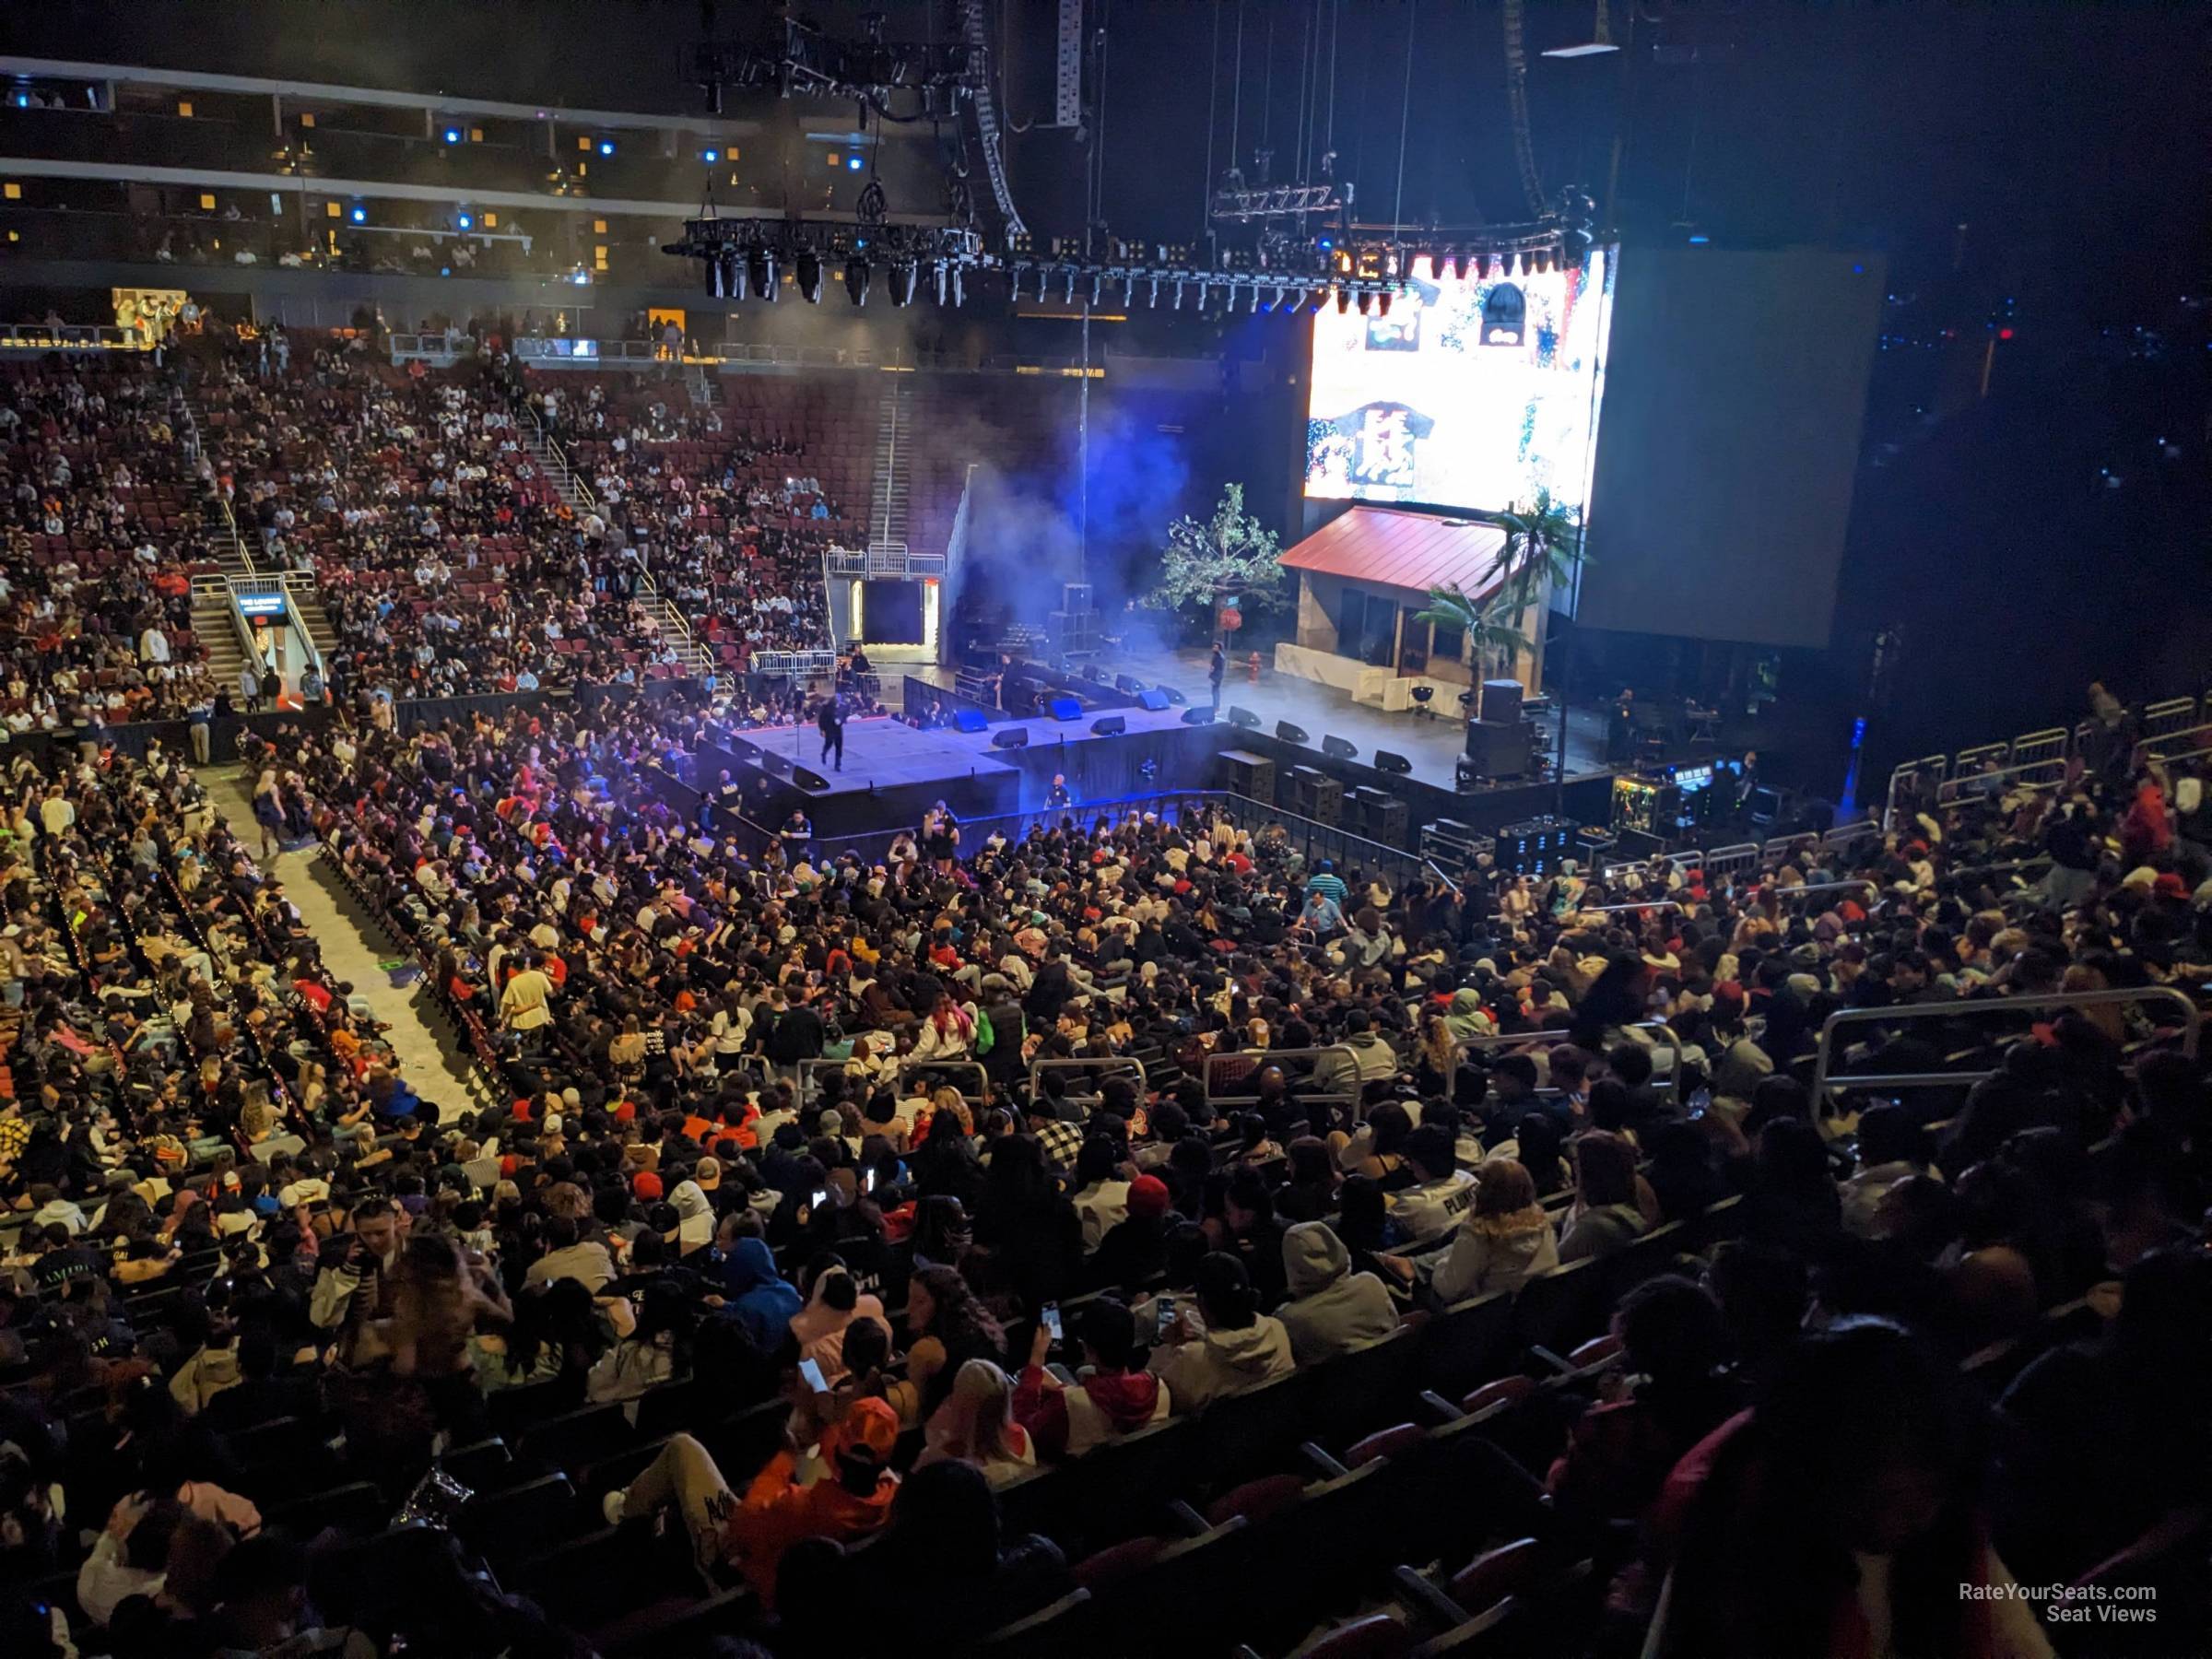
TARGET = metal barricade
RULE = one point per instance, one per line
(2051, 744)
(1521, 1043)
(1907, 778)
(1860, 883)
(1254, 1062)
(1728, 861)
(2186, 744)
(2173, 714)
(912, 1067)
(1111, 1065)
(2191, 1023)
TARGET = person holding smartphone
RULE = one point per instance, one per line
(1114, 1395)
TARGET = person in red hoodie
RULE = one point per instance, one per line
(1112, 1400)
(751, 1531)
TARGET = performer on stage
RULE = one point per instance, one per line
(1060, 796)
(1621, 729)
(831, 719)
(1214, 674)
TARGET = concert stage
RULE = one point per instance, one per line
(893, 772)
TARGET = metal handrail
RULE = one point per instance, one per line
(1552, 1037)
(70, 336)
(1112, 1065)
(1823, 887)
(2193, 1020)
(1267, 1057)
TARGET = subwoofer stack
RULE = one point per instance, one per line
(1498, 742)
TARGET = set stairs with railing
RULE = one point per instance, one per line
(671, 623)
(894, 466)
(699, 385)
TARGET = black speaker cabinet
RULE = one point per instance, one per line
(1501, 702)
(1250, 775)
(1498, 751)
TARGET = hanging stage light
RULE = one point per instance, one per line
(718, 278)
(856, 279)
(1098, 286)
(1543, 259)
(899, 282)
(1178, 293)
(733, 280)
(1367, 302)
(761, 266)
(807, 268)
(1067, 289)
(957, 296)
(1152, 296)
(936, 280)
(1459, 264)
(1344, 301)
(1382, 302)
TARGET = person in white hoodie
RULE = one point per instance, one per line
(1241, 1346)
(1331, 1309)
(1506, 1240)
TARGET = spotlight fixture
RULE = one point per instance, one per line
(1098, 285)
(606, 146)
(1179, 294)
(1459, 264)
(900, 281)
(1152, 294)
(808, 267)
(452, 134)
(1067, 292)
(938, 277)
(712, 156)
(761, 267)
(1543, 258)
(856, 279)
(1344, 301)
(466, 221)
(1382, 302)
(1489, 266)
(957, 298)
(359, 216)
(1367, 302)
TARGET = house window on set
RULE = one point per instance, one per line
(1448, 644)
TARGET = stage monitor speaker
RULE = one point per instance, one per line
(1128, 685)
(1199, 716)
(1066, 708)
(1292, 733)
(1011, 737)
(1174, 696)
(778, 765)
(1154, 699)
(1388, 762)
(809, 780)
(1110, 725)
(1338, 749)
(1240, 716)
(1501, 702)
(969, 720)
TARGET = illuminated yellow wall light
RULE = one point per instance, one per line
(307, 118)
(491, 222)
(585, 145)
(600, 226)
(184, 107)
(331, 210)
(13, 192)
(208, 200)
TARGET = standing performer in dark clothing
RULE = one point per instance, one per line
(832, 721)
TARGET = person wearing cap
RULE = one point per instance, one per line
(750, 1533)
(1132, 1252)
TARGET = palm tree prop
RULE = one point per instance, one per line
(1542, 542)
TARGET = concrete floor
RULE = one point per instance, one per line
(352, 945)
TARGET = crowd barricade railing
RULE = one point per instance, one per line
(2050, 744)
(2173, 714)
(2185, 743)
(1105, 1066)
(2048, 773)
(1521, 1042)
(1824, 1081)
(1251, 1064)
(912, 1067)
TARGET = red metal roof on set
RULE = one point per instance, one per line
(1412, 550)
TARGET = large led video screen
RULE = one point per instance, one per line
(1472, 392)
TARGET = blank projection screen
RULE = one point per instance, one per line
(891, 613)
(1736, 388)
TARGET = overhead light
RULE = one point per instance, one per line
(1459, 264)
(1382, 302)
(1599, 42)
(937, 275)
(1179, 293)
(857, 280)
(606, 146)
(807, 268)
(467, 221)
(1697, 239)
(1067, 291)
(713, 154)
(761, 269)
(1098, 286)
(1367, 302)
(900, 281)
(1344, 301)
(958, 298)
(853, 163)
(452, 134)
(359, 216)
(1152, 295)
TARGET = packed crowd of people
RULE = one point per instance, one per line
(100, 523)
(771, 1134)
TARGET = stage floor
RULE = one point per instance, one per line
(884, 754)
(1433, 745)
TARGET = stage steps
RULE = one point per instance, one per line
(223, 534)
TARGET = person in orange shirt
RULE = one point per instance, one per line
(751, 1532)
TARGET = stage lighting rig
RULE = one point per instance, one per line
(1234, 204)
(796, 59)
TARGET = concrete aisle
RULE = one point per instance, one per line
(352, 945)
